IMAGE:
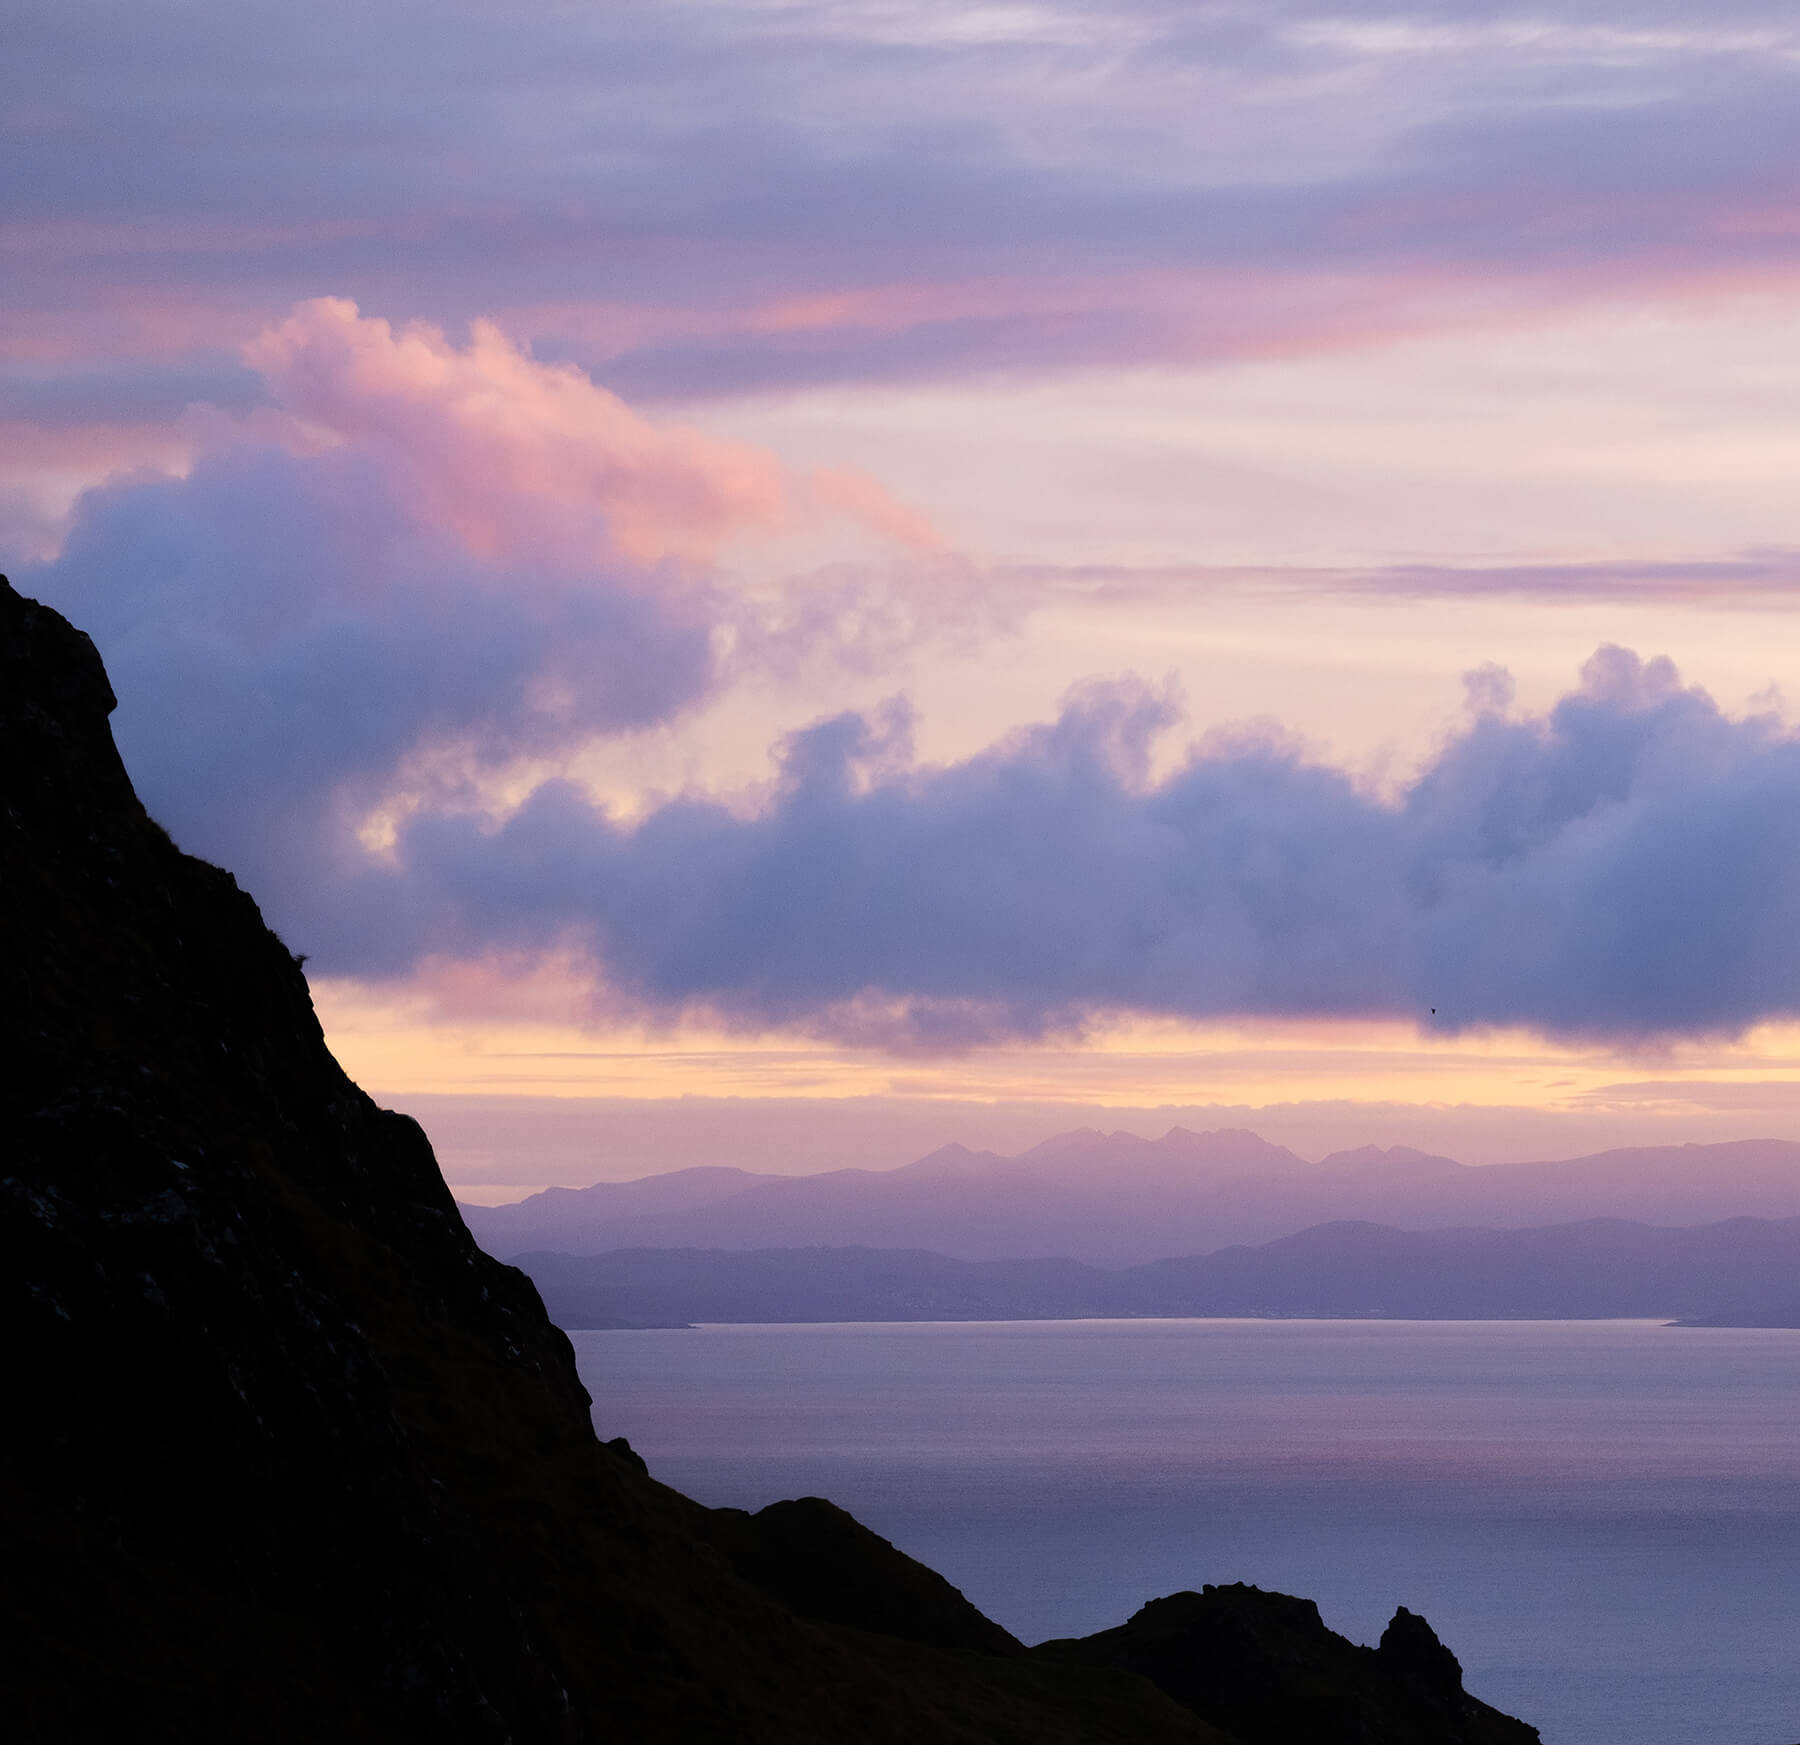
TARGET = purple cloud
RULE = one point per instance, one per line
(420, 567)
(1622, 867)
(289, 644)
(290, 651)
(1769, 576)
(461, 565)
(675, 196)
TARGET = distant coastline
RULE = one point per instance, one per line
(1785, 1316)
(1735, 1273)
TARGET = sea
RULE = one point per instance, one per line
(1600, 1518)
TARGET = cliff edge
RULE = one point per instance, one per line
(291, 1458)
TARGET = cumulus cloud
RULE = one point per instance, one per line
(520, 457)
(1627, 865)
(352, 639)
(419, 565)
(512, 454)
(291, 645)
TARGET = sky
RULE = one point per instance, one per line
(780, 583)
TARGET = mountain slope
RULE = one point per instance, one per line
(289, 1459)
(292, 1459)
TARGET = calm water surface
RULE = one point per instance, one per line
(1602, 1519)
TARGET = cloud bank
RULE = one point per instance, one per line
(358, 642)
(1627, 866)
(415, 567)
(291, 651)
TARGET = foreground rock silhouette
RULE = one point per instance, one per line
(292, 1460)
(1265, 1666)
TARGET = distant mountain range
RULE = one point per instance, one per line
(1113, 1199)
(1737, 1273)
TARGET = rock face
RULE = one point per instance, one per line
(290, 1459)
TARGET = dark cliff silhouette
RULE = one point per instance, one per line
(291, 1459)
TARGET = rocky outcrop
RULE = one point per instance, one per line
(1264, 1667)
(290, 1459)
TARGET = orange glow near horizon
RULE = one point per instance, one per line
(416, 1041)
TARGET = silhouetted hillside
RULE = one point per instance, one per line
(289, 1459)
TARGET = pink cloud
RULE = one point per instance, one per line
(27, 449)
(861, 498)
(1193, 314)
(525, 457)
